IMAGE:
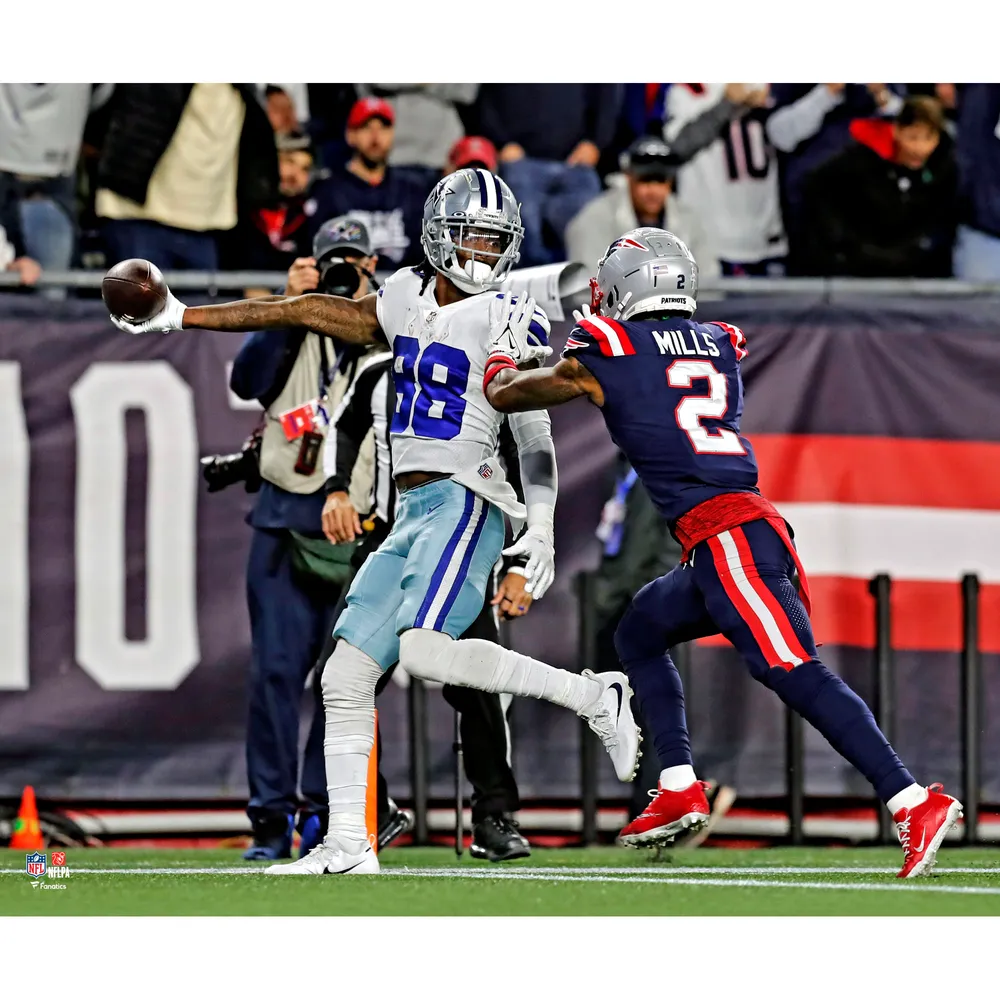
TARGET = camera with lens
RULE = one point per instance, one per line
(243, 466)
(339, 247)
(338, 276)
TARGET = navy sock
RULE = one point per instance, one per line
(826, 702)
(657, 685)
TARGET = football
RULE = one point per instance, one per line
(134, 290)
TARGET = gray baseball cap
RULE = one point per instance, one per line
(344, 233)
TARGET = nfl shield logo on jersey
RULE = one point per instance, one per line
(485, 471)
(34, 865)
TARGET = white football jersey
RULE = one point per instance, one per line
(731, 186)
(442, 421)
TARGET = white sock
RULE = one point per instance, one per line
(486, 666)
(349, 702)
(676, 779)
(909, 797)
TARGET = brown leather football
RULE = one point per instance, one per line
(134, 290)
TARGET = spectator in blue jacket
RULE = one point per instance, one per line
(977, 248)
(550, 137)
(388, 200)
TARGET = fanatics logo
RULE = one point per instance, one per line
(485, 471)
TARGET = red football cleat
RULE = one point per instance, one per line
(667, 815)
(922, 830)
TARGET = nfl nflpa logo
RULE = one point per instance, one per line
(34, 865)
(485, 471)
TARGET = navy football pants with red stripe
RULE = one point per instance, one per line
(739, 583)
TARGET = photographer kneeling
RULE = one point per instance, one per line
(294, 576)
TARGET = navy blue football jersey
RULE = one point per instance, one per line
(673, 397)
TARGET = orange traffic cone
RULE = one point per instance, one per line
(27, 834)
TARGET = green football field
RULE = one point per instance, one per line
(604, 881)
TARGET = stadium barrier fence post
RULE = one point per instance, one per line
(794, 765)
(587, 645)
(880, 587)
(418, 758)
(970, 706)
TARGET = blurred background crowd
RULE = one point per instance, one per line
(866, 180)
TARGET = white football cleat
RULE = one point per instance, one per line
(330, 859)
(611, 718)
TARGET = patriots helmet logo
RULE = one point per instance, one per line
(624, 241)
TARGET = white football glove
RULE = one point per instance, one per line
(170, 317)
(540, 570)
(509, 323)
(582, 313)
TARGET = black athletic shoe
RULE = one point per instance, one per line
(497, 838)
(394, 824)
(272, 839)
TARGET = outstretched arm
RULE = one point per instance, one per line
(349, 320)
(510, 391)
(354, 321)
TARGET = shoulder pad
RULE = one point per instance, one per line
(736, 338)
(598, 335)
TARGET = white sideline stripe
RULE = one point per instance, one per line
(455, 564)
(567, 874)
(611, 333)
(529, 876)
(909, 543)
(757, 605)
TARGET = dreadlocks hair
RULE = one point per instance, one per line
(426, 271)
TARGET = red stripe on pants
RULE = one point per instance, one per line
(779, 614)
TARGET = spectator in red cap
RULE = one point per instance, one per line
(427, 117)
(388, 200)
(472, 151)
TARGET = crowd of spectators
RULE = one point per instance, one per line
(866, 180)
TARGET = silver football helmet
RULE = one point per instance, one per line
(472, 229)
(645, 270)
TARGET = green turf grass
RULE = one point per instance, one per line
(418, 881)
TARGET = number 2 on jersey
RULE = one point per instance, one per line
(430, 389)
(692, 409)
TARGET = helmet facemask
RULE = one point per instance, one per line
(474, 247)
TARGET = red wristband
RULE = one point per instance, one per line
(495, 364)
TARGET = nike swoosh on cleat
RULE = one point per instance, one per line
(923, 837)
(345, 870)
(617, 688)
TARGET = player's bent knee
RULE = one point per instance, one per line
(434, 656)
(427, 655)
(634, 640)
(349, 676)
(799, 686)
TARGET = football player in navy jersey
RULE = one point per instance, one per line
(671, 393)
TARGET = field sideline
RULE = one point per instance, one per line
(603, 881)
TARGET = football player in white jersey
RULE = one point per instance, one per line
(425, 584)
